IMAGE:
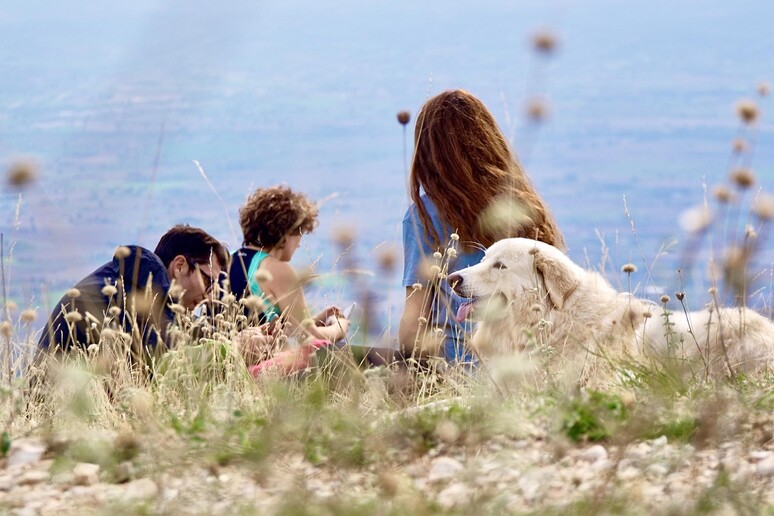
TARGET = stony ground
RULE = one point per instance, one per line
(531, 473)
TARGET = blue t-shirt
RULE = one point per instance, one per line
(416, 247)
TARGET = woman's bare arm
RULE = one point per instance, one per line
(288, 293)
(408, 331)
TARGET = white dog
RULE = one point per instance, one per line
(529, 295)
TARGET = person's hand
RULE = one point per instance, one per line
(255, 344)
(341, 325)
(321, 319)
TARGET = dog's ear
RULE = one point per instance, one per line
(560, 281)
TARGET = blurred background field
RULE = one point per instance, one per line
(641, 98)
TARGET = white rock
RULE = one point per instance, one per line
(444, 468)
(456, 494)
(760, 455)
(24, 451)
(765, 467)
(629, 473)
(141, 489)
(659, 442)
(33, 477)
(86, 474)
(602, 465)
(656, 470)
(638, 451)
(594, 453)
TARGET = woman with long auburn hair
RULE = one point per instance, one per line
(467, 186)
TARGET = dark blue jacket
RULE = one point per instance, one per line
(142, 284)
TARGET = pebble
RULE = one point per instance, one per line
(594, 453)
(444, 468)
(765, 468)
(86, 474)
(24, 451)
(34, 476)
(454, 495)
(141, 489)
(760, 455)
(656, 471)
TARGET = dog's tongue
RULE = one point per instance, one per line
(463, 311)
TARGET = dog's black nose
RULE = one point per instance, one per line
(455, 280)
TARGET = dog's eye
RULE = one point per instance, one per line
(499, 265)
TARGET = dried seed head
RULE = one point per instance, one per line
(537, 109)
(73, 293)
(664, 299)
(544, 42)
(417, 286)
(228, 299)
(504, 217)
(404, 117)
(712, 291)
(455, 237)
(6, 329)
(696, 219)
(390, 484)
(451, 252)
(747, 111)
(73, 317)
(447, 431)
(422, 320)
(114, 311)
(743, 177)
(722, 194)
(109, 290)
(764, 207)
(262, 275)
(344, 236)
(28, 315)
(437, 255)
(255, 303)
(750, 233)
(629, 268)
(435, 270)
(647, 314)
(22, 173)
(764, 89)
(387, 258)
(537, 307)
(122, 252)
(680, 295)
(177, 308)
(175, 290)
(739, 145)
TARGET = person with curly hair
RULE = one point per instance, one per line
(466, 185)
(273, 221)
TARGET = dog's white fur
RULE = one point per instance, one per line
(531, 295)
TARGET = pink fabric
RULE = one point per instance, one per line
(289, 361)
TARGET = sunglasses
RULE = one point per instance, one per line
(207, 279)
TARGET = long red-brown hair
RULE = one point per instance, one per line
(463, 163)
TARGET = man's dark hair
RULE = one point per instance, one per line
(194, 244)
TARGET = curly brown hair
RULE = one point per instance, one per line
(271, 214)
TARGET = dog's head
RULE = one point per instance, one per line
(519, 271)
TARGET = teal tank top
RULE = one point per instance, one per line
(270, 311)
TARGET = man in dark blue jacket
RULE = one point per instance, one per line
(134, 292)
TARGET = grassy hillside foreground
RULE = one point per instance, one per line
(203, 437)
